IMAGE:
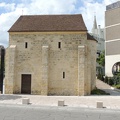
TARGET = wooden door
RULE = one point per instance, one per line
(26, 84)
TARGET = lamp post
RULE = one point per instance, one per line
(2, 67)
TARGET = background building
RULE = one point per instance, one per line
(112, 43)
(50, 55)
(98, 33)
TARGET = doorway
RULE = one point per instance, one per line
(26, 84)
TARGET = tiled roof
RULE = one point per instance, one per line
(48, 23)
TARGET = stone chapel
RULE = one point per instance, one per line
(50, 55)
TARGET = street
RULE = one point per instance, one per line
(32, 112)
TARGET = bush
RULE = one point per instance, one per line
(116, 79)
(110, 81)
(100, 77)
(117, 86)
(106, 79)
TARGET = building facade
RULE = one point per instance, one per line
(112, 43)
(50, 55)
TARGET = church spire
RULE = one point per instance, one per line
(94, 25)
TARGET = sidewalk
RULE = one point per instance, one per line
(107, 88)
(109, 101)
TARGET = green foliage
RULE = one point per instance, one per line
(100, 77)
(118, 75)
(116, 79)
(110, 81)
(101, 59)
(98, 92)
(106, 79)
(117, 86)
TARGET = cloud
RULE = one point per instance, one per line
(51, 6)
(89, 10)
(94, 7)
(7, 6)
(12, 10)
(107, 2)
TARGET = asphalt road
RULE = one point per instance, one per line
(30, 112)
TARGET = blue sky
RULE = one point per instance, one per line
(10, 10)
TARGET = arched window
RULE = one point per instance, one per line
(116, 68)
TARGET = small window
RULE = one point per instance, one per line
(59, 44)
(63, 75)
(26, 44)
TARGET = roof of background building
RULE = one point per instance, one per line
(48, 23)
(113, 5)
(90, 37)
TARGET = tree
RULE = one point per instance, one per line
(101, 59)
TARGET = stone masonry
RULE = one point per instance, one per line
(46, 63)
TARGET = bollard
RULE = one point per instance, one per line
(99, 104)
(61, 103)
(25, 101)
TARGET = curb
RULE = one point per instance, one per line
(115, 89)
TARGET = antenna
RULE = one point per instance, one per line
(22, 11)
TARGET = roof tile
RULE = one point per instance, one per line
(48, 23)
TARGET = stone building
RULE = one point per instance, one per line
(112, 43)
(50, 55)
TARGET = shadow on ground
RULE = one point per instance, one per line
(112, 92)
(9, 97)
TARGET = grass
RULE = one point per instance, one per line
(98, 92)
(117, 86)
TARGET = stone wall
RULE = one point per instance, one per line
(59, 63)
(92, 51)
(10, 69)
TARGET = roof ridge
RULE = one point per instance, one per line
(52, 15)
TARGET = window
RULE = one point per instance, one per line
(63, 75)
(116, 68)
(26, 44)
(59, 44)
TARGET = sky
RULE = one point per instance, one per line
(11, 10)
